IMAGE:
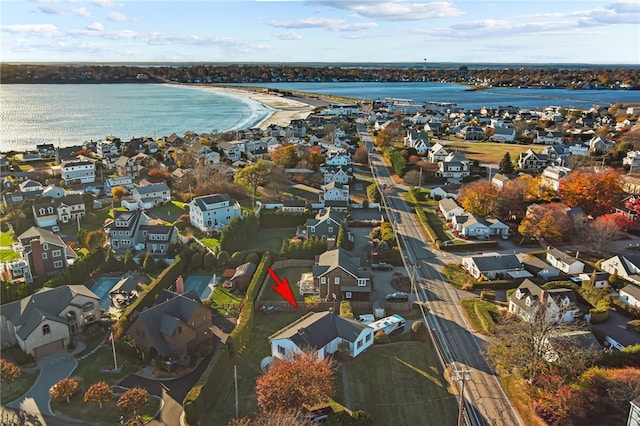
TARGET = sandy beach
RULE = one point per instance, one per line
(285, 108)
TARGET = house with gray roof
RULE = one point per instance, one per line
(326, 224)
(471, 225)
(213, 212)
(494, 266)
(150, 196)
(48, 320)
(503, 134)
(630, 294)
(176, 325)
(564, 262)
(340, 276)
(45, 253)
(627, 267)
(530, 300)
(324, 333)
(449, 208)
(132, 230)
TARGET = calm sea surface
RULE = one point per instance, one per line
(70, 114)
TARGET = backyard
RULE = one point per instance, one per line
(485, 152)
(292, 275)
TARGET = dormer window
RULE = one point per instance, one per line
(528, 301)
(519, 294)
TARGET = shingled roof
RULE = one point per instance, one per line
(317, 329)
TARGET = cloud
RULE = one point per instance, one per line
(328, 23)
(96, 26)
(615, 13)
(41, 30)
(118, 17)
(61, 11)
(103, 3)
(288, 35)
(395, 10)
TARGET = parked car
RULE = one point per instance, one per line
(398, 296)
(382, 266)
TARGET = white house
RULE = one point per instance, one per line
(563, 262)
(630, 295)
(548, 137)
(417, 140)
(213, 212)
(503, 134)
(53, 192)
(627, 267)
(339, 159)
(30, 185)
(493, 265)
(559, 305)
(337, 174)
(106, 149)
(125, 181)
(324, 333)
(149, 196)
(232, 150)
(499, 180)
(437, 153)
(444, 192)
(47, 321)
(335, 192)
(75, 172)
(449, 208)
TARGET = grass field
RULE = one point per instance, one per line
(22, 384)
(487, 152)
(210, 242)
(401, 384)
(223, 298)
(6, 255)
(271, 238)
(292, 275)
(6, 239)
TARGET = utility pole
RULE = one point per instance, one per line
(235, 379)
(461, 376)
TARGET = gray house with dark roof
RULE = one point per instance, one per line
(46, 321)
(339, 276)
(326, 224)
(176, 325)
(45, 252)
(324, 333)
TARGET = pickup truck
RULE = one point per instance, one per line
(381, 266)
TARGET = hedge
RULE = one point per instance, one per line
(283, 220)
(241, 333)
(195, 401)
(148, 296)
(80, 270)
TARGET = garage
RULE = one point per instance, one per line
(48, 349)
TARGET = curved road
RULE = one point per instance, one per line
(459, 347)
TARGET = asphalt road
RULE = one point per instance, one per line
(485, 400)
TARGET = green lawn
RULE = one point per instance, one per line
(168, 212)
(210, 242)
(271, 238)
(292, 275)
(93, 220)
(222, 403)
(22, 384)
(223, 298)
(401, 384)
(89, 369)
(6, 239)
(8, 255)
(487, 152)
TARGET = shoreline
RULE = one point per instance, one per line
(282, 109)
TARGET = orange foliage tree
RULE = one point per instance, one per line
(479, 197)
(9, 372)
(547, 221)
(288, 384)
(98, 392)
(595, 192)
(132, 400)
(285, 156)
(64, 389)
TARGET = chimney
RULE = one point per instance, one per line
(179, 285)
(543, 298)
(331, 243)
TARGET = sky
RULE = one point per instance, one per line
(330, 31)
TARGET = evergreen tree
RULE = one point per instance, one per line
(209, 262)
(506, 165)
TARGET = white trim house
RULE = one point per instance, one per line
(213, 212)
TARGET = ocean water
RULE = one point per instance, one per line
(70, 114)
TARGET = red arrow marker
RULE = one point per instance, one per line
(282, 288)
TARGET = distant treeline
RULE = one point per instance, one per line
(535, 76)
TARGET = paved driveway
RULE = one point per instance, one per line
(36, 400)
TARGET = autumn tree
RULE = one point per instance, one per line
(9, 372)
(133, 400)
(316, 159)
(254, 176)
(479, 197)
(391, 134)
(605, 228)
(506, 164)
(64, 389)
(117, 192)
(361, 155)
(513, 198)
(547, 221)
(95, 239)
(285, 156)
(99, 392)
(159, 174)
(281, 418)
(595, 192)
(313, 384)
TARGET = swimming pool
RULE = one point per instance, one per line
(199, 284)
(102, 287)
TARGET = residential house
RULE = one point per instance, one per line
(44, 215)
(30, 185)
(323, 332)
(563, 262)
(503, 134)
(446, 191)
(548, 137)
(471, 133)
(631, 160)
(634, 412)
(630, 294)
(339, 276)
(208, 156)
(126, 166)
(455, 165)
(530, 300)
(45, 252)
(338, 159)
(106, 148)
(46, 150)
(600, 145)
(338, 174)
(471, 225)
(417, 140)
(123, 231)
(449, 208)
(213, 212)
(47, 321)
(595, 279)
(326, 224)
(531, 161)
(294, 205)
(70, 208)
(242, 276)
(558, 154)
(232, 150)
(552, 175)
(124, 181)
(615, 332)
(335, 195)
(494, 266)
(627, 267)
(437, 153)
(75, 172)
(149, 196)
(175, 326)
(53, 191)
(156, 238)
(499, 180)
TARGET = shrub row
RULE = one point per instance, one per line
(148, 296)
(241, 333)
(238, 233)
(425, 223)
(482, 245)
(482, 312)
(196, 399)
(283, 220)
(345, 309)
(307, 249)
